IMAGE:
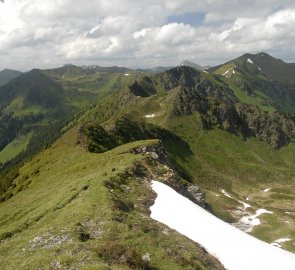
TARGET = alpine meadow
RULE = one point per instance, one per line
(150, 135)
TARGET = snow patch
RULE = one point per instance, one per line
(245, 205)
(224, 74)
(226, 194)
(266, 190)
(249, 61)
(235, 249)
(149, 115)
(127, 74)
(252, 220)
(259, 68)
(287, 221)
(229, 72)
(282, 240)
(278, 242)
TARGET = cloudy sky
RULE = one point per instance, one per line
(142, 33)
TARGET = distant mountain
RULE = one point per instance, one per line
(262, 80)
(8, 74)
(41, 98)
(263, 63)
(34, 88)
(30, 104)
(160, 69)
(71, 71)
(193, 65)
(68, 71)
(112, 69)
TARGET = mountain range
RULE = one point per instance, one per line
(79, 147)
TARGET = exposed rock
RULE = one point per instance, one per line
(169, 173)
(49, 241)
(146, 257)
(196, 195)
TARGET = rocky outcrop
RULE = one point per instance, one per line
(195, 194)
(218, 107)
(277, 129)
(160, 168)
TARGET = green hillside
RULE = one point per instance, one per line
(83, 201)
(224, 152)
(90, 211)
(261, 80)
(41, 98)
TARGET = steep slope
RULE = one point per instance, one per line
(8, 74)
(231, 146)
(261, 80)
(183, 91)
(239, 154)
(76, 210)
(247, 253)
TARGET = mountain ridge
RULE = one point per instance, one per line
(84, 197)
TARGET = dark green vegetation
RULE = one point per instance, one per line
(39, 99)
(8, 74)
(83, 201)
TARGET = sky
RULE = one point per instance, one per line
(142, 33)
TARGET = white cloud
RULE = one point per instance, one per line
(45, 33)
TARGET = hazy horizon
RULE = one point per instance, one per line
(143, 34)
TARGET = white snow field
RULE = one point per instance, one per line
(235, 249)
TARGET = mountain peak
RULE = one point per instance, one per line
(181, 71)
(193, 65)
(8, 74)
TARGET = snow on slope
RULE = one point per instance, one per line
(249, 61)
(235, 249)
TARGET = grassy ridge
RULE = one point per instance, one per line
(63, 215)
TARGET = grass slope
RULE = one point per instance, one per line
(62, 215)
(15, 147)
(221, 160)
(261, 80)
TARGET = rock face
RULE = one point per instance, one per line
(219, 107)
(164, 171)
(196, 195)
